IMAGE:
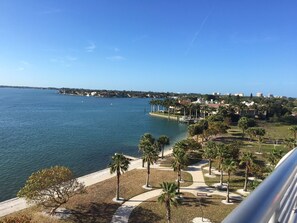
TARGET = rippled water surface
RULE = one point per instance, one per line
(40, 128)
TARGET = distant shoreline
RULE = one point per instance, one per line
(28, 87)
(101, 93)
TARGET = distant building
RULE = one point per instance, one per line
(216, 93)
(259, 94)
(239, 94)
(270, 96)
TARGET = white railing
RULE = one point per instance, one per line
(275, 200)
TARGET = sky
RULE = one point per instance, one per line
(190, 46)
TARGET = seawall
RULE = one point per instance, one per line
(176, 118)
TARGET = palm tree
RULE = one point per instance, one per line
(290, 143)
(180, 160)
(210, 153)
(275, 156)
(243, 124)
(229, 166)
(118, 165)
(248, 159)
(168, 197)
(150, 155)
(146, 140)
(221, 156)
(162, 142)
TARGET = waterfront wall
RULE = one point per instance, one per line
(171, 117)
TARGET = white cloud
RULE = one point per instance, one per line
(91, 47)
(116, 58)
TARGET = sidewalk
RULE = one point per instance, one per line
(17, 204)
(123, 213)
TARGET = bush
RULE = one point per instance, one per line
(51, 187)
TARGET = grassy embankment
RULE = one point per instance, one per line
(97, 205)
(274, 133)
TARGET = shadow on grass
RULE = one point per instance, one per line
(144, 215)
(196, 201)
(95, 212)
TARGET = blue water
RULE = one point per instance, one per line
(40, 128)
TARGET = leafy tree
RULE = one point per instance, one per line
(168, 198)
(293, 129)
(190, 146)
(210, 153)
(258, 133)
(150, 155)
(243, 124)
(118, 165)
(162, 142)
(180, 160)
(248, 159)
(51, 187)
(195, 130)
(229, 166)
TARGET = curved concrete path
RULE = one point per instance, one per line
(17, 204)
(124, 211)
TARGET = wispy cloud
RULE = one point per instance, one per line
(237, 38)
(91, 47)
(192, 42)
(65, 60)
(116, 58)
(23, 65)
(116, 49)
(49, 11)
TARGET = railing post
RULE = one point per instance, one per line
(275, 216)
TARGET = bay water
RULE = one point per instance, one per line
(41, 128)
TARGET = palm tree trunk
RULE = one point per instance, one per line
(227, 197)
(142, 162)
(162, 152)
(168, 212)
(245, 179)
(178, 181)
(221, 178)
(118, 186)
(148, 175)
(209, 168)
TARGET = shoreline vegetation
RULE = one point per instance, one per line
(241, 139)
(99, 184)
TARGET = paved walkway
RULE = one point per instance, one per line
(123, 212)
(17, 204)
